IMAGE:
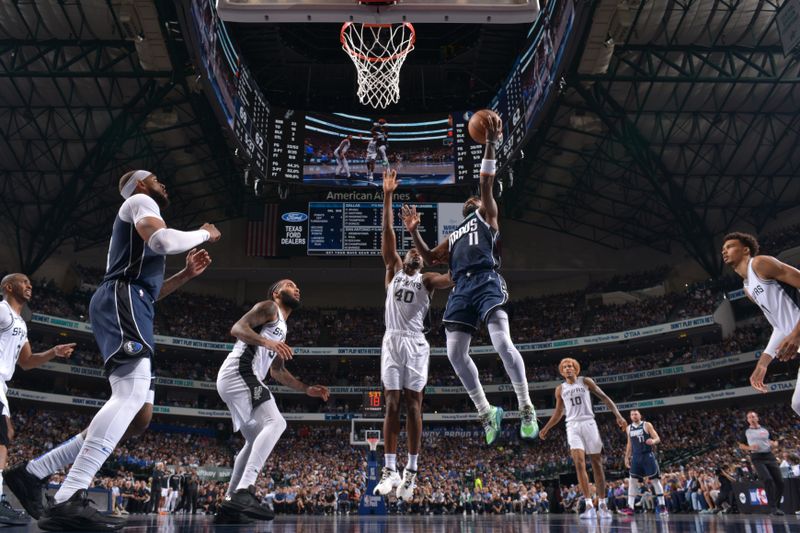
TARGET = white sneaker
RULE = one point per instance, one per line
(389, 480)
(405, 491)
(604, 513)
(589, 514)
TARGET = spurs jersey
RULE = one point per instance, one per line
(779, 301)
(13, 336)
(407, 303)
(577, 401)
(258, 359)
(372, 149)
(474, 247)
(344, 146)
(639, 435)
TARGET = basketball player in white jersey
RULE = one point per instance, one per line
(260, 348)
(372, 155)
(582, 435)
(16, 350)
(342, 166)
(773, 286)
(405, 351)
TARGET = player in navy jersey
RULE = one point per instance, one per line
(121, 313)
(641, 459)
(479, 295)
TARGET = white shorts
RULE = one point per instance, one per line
(164, 493)
(583, 435)
(241, 393)
(404, 361)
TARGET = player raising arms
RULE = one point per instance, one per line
(641, 460)
(773, 286)
(260, 348)
(405, 351)
(582, 435)
(479, 295)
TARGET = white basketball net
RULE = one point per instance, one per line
(378, 52)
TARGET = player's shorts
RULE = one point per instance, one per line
(583, 435)
(164, 493)
(474, 297)
(372, 157)
(241, 390)
(644, 466)
(121, 315)
(404, 360)
(151, 394)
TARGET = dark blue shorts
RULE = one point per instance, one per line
(643, 466)
(122, 316)
(474, 297)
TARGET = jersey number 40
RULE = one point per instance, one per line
(404, 296)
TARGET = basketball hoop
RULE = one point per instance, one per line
(378, 52)
(373, 438)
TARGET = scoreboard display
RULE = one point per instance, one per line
(353, 229)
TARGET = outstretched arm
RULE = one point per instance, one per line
(597, 391)
(488, 208)
(389, 241)
(440, 254)
(284, 377)
(434, 280)
(557, 414)
(28, 360)
(196, 264)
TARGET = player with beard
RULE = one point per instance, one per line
(405, 351)
(260, 348)
(480, 295)
(122, 313)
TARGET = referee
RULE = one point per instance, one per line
(764, 462)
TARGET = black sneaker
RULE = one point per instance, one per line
(244, 501)
(777, 512)
(229, 516)
(10, 516)
(28, 488)
(78, 514)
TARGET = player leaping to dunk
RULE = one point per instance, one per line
(405, 351)
(380, 133)
(479, 294)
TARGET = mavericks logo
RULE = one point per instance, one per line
(132, 347)
(294, 217)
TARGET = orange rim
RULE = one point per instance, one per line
(372, 59)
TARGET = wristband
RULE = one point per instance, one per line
(488, 166)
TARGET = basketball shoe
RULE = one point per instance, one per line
(529, 427)
(491, 423)
(389, 480)
(405, 490)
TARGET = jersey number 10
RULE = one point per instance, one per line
(404, 296)
(576, 401)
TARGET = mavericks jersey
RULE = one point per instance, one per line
(129, 257)
(779, 301)
(638, 435)
(258, 359)
(344, 146)
(407, 303)
(13, 336)
(474, 247)
(577, 401)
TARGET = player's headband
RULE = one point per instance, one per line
(139, 175)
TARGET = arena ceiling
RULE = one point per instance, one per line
(676, 120)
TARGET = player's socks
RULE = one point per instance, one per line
(478, 397)
(412, 462)
(659, 491)
(633, 491)
(57, 458)
(390, 461)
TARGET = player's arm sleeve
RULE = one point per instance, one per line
(6, 318)
(774, 341)
(168, 241)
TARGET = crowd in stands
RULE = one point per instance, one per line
(315, 470)
(631, 282)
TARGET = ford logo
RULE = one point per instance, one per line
(294, 217)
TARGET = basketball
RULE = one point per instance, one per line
(476, 129)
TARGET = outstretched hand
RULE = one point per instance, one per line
(494, 128)
(390, 181)
(410, 217)
(64, 350)
(318, 391)
(196, 262)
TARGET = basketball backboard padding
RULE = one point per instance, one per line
(415, 11)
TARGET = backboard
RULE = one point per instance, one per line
(415, 11)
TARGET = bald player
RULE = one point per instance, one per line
(16, 350)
